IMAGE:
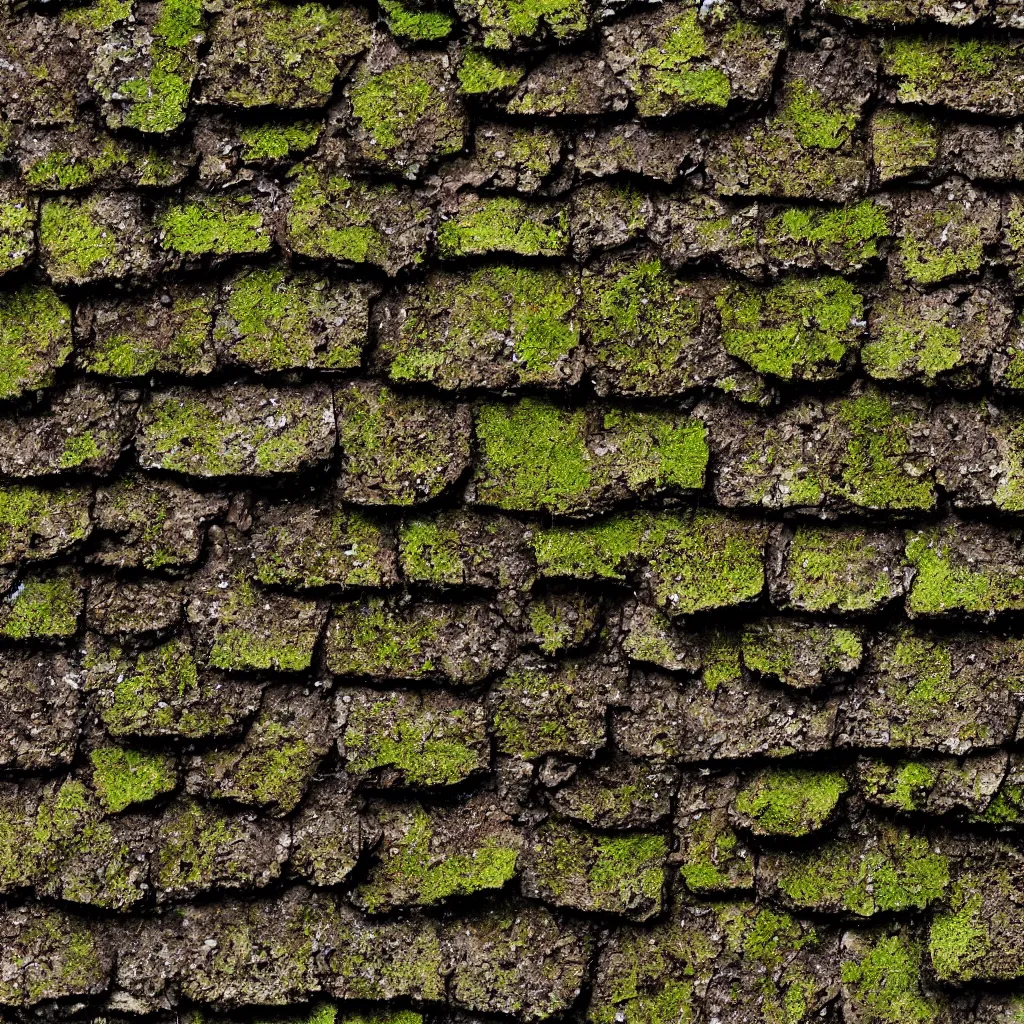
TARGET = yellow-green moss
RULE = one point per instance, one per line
(790, 802)
(123, 777)
(214, 225)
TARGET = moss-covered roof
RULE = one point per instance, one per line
(510, 510)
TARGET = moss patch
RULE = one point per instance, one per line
(123, 777)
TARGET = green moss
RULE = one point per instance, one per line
(427, 753)
(194, 841)
(797, 329)
(885, 982)
(815, 122)
(35, 339)
(480, 74)
(790, 802)
(640, 323)
(28, 514)
(657, 450)
(279, 141)
(560, 623)
(899, 873)
(370, 638)
(902, 142)
(392, 105)
(602, 551)
(933, 70)
(279, 644)
(163, 693)
(847, 237)
(17, 220)
(44, 607)
(124, 777)
(159, 101)
(904, 786)
(874, 473)
(536, 454)
(598, 872)
(704, 561)
(713, 861)
(504, 224)
(429, 552)
(837, 569)
(507, 22)
(271, 322)
(944, 583)
(79, 449)
(521, 314)
(959, 939)
(928, 262)
(186, 432)
(132, 354)
(214, 225)
(100, 15)
(412, 871)
(910, 346)
(74, 242)
(406, 22)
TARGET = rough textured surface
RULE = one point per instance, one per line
(510, 510)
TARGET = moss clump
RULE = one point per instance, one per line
(875, 470)
(602, 551)
(75, 244)
(815, 122)
(418, 26)
(640, 324)
(332, 217)
(279, 141)
(945, 583)
(163, 693)
(958, 248)
(403, 107)
(845, 238)
(214, 225)
(133, 352)
(371, 638)
(43, 607)
(507, 23)
(713, 859)
(430, 552)
(35, 339)
(413, 871)
(902, 143)
(904, 786)
(970, 74)
(158, 101)
(796, 330)
(195, 846)
(586, 871)
(505, 224)
(123, 777)
(841, 570)
(959, 939)
(898, 872)
(427, 749)
(792, 803)
(539, 456)
(282, 638)
(883, 981)
(521, 320)
(480, 74)
(676, 75)
(704, 561)
(270, 54)
(274, 322)
(908, 345)
(17, 222)
(37, 523)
